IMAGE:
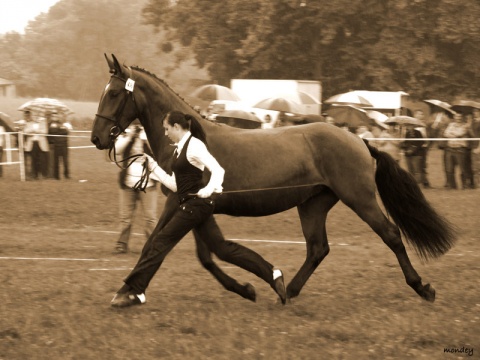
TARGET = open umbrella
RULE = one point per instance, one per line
(42, 105)
(212, 92)
(404, 120)
(435, 104)
(300, 97)
(465, 106)
(239, 118)
(350, 115)
(349, 98)
(378, 117)
(278, 104)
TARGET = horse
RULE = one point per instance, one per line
(311, 167)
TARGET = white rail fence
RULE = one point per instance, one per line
(21, 156)
(9, 149)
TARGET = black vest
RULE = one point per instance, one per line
(187, 176)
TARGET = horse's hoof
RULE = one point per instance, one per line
(428, 293)
(250, 293)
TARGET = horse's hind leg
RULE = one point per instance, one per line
(204, 255)
(313, 216)
(371, 213)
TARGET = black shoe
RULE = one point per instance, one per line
(279, 285)
(121, 248)
(127, 299)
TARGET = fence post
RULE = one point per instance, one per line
(21, 155)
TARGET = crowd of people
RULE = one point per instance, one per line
(461, 152)
(45, 145)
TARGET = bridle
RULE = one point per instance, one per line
(117, 129)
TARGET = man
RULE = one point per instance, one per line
(2, 140)
(423, 151)
(134, 142)
(36, 145)
(413, 152)
(456, 150)
(59, 147)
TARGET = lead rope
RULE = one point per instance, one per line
(141, 184)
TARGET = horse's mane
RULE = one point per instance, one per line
(163, 82)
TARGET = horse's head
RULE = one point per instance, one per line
(117, 108)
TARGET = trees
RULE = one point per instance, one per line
(425, 47)
(61, 53)
(428, 48)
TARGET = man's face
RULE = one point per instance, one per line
(419, 115)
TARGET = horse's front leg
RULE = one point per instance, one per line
(204, 255)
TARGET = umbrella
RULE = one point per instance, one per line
(438, 103)
(350, 115)
(300, 97)
(43, 105)
(378, 117)
(465, 106)
(212, 92)
(349, 98)
(404, 120)
(239, 118)
(279, 104)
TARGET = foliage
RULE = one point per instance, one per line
(428, 48)
(409, 45)
(61, 52)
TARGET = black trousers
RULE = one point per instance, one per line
(195, 214)
(39, 161)
(60, 152)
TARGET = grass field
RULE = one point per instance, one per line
(58, 275)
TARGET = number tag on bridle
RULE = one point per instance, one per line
(129, 85)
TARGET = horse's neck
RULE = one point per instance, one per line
(159, 99)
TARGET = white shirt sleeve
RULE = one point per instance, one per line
(199, 156)
(168, 180)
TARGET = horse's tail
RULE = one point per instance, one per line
(430, 233)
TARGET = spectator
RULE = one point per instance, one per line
(425, 131)
(473, 126)
(386, 142)
(59, 146)
(413, 150)
(330, 120)
(36, 145)
(440, 123)
(456, 150)
(2, 140)
(134, 142)
(476, 151)
(267, 123)
(364, 132)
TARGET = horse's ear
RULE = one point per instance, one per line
(117, 66)
(110, 64)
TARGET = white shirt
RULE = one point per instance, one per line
(199, 156)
